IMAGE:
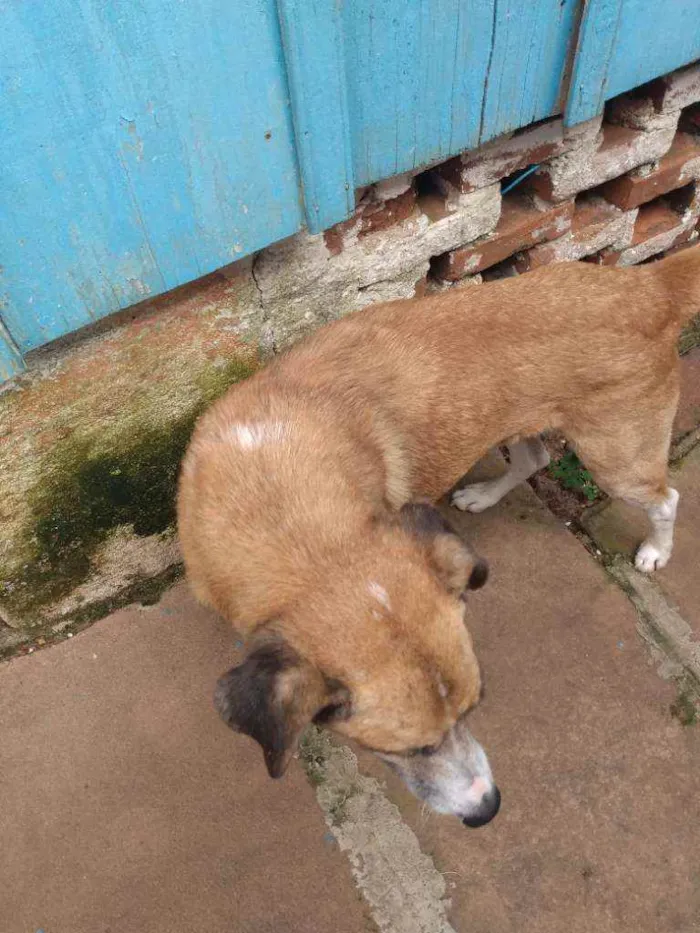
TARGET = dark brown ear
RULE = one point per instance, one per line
(272, 696)
(457, 566)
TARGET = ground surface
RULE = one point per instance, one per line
(127, 807)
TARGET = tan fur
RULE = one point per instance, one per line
(397, 402)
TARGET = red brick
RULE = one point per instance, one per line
(619, 149)
(653, 219)
(679, 166)
(678, 89)
(501, 157)
(523, 223)
(335, 236)
(590, 212)
(370, 217)
(662, 224)
(387, 213)
(645, 107)
(596, 224)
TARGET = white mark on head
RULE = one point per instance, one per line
(250, 436)
(377, 591)
(442, 687)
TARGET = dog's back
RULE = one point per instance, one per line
(399, 401)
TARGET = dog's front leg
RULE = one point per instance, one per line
(526, 457)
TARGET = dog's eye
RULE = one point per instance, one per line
(332, 712)
(424, 750)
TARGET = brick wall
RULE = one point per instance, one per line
(617, 193)
(616, 190)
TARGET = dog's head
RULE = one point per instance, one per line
(379, 653)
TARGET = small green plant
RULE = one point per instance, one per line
(572, 474)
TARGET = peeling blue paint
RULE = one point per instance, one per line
(113, 113)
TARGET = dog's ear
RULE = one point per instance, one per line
(272, 696)
(457, 566)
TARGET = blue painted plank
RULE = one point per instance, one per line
(416, 71)
(653, 39)
(11, 363)
(530, 42)
(597, 39)
(312, 38)
(625, 43)
(430, 78)
(143, 144)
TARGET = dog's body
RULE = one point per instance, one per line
(291, 492)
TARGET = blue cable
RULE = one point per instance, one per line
(516, 181)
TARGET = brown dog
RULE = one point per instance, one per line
(298, 515)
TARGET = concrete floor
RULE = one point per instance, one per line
(127, 807)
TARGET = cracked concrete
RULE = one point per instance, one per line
(305, 284)
(404, 890)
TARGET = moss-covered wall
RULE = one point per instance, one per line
(90, 447)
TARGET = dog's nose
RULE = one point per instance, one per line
(489, 807)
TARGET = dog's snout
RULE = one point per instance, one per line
(487, 809)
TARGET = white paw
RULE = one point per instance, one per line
(650, 558)
(476, 498)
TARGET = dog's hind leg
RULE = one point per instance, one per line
(655, 552)
(526, 457)
(632, 465)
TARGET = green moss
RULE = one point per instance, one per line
(684, 708)
(338, 807)
(314, 749)
(146, 591)
(85, 491)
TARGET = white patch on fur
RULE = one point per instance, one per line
(478, 496)
(649, 558)
(655, 552)
(442, 688)
(250, 436)
(377, 591)
(526, 457)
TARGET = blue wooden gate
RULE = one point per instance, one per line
(147, 143)
(143, 144)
